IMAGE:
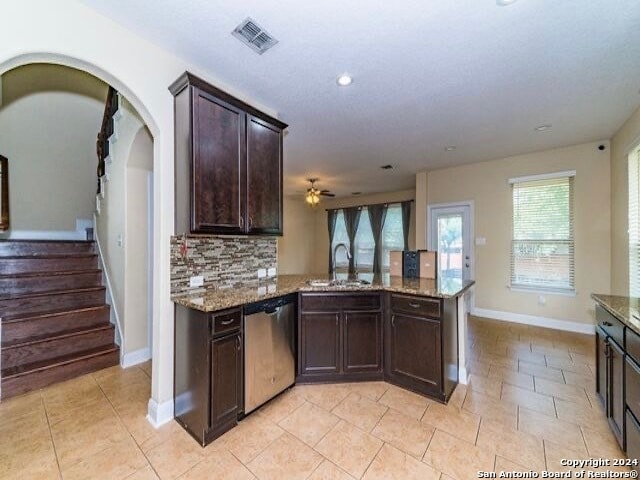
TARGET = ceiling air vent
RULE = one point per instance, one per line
(253, 35)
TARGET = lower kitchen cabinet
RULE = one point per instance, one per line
(340, 337)
(421, 344)
(615, 410)
(207, 371)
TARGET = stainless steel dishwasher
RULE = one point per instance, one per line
(269, 350)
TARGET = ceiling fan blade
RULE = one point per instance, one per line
(327, 194)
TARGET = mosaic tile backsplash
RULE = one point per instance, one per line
(224, 262)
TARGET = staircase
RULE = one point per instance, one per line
(54, 321)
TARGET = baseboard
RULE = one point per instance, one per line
(160, 413)
(136, 357)
(45, 235)
(463, 376)
(546, 322)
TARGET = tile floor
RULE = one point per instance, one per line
(530, 403)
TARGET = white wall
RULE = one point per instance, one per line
(141, 71)
(49, 120)
(297, 246)
(486, 184)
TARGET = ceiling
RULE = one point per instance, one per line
(427, 74)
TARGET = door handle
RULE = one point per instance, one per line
(393, 321)
(238, 345)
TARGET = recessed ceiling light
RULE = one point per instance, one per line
(543, 128)
(386, 167)
(450, 148)
(504, 3)
(344, 80)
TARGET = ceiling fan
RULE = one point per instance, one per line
(312, 197)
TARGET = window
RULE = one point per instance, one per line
(634, 223)
(542, 247)
(392, 239)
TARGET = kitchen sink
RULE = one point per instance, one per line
(338, 283)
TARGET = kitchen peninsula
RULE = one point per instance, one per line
(404, 331)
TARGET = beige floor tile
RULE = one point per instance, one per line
(328, 471)
(458, 395)
(84, 435)
(567, 365)
(287, 457)
(541, 371)
(349, 448)
(23, 429)
(24, 405)
(405, 433)
(478, 367)
(118, 461)
(147, 473)
(502, 412)
(309, 423)
(587, 359)
(563, 391)
(283, 405)
(29, 458)
(370, 390)
(409, 403)
(146, 367)
(71, 398)
(511, 377)
(490, 386)
(583, 415)
(520, 447)
(250, 437)
(222, 465)
(325, 396)
(460, 460)
(586, 381)
(161, 435)
(360, 411)
(176, 456)
(499, 361)
(134, 417)
(532, 358)
(528, 399)
(601, 444)
(555, 453)
(458, 422)
(538, 346)
(392, 464)
(552, 429)
(506, 465)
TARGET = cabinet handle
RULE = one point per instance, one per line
(393, 321)
(414, 305)
(227, 322)
(238, 343)
(607, 349)
(241, 221)
(250, 222)
(607, 324)
(337, 319)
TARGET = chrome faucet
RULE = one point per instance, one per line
(335, 251)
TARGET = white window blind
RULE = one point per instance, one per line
(542, 247)
(634, 224)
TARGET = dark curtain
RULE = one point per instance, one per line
(406, 219)
(351, 219)
(332, 216)
(377, 214)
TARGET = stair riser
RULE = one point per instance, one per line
(21, 331)
(45, 303)
(15, 356)
(14, 249)
(39, 379)
(23, 285)
(12, 266)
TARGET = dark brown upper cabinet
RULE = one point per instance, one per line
(228, 163)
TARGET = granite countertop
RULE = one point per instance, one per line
(212, 299)
(625, 309)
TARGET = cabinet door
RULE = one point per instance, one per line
(226, 379)
(264, 177)
(616, 402)
(362, 335)
(601, 366)
(218, 188)
(633, 439)
(320, 339)
(416, 354)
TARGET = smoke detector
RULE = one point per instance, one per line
(254, 36)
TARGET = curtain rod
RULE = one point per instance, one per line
(411, 200)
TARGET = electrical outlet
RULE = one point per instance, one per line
(481, 241)
(196, 281)
(542, 300)
(271, 272)
(262, 272)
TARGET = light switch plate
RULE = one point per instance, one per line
(196, 281)
(262, 272)
(271, 272)
(481, 241)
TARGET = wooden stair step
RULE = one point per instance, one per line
(25, 378)
(43, 348)
(20, 328)
(12, 265)
(36, 282)
(27, 305)
(27, 247)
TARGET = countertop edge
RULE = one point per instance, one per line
(625, 316)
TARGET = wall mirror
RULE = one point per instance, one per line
(4, 194)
